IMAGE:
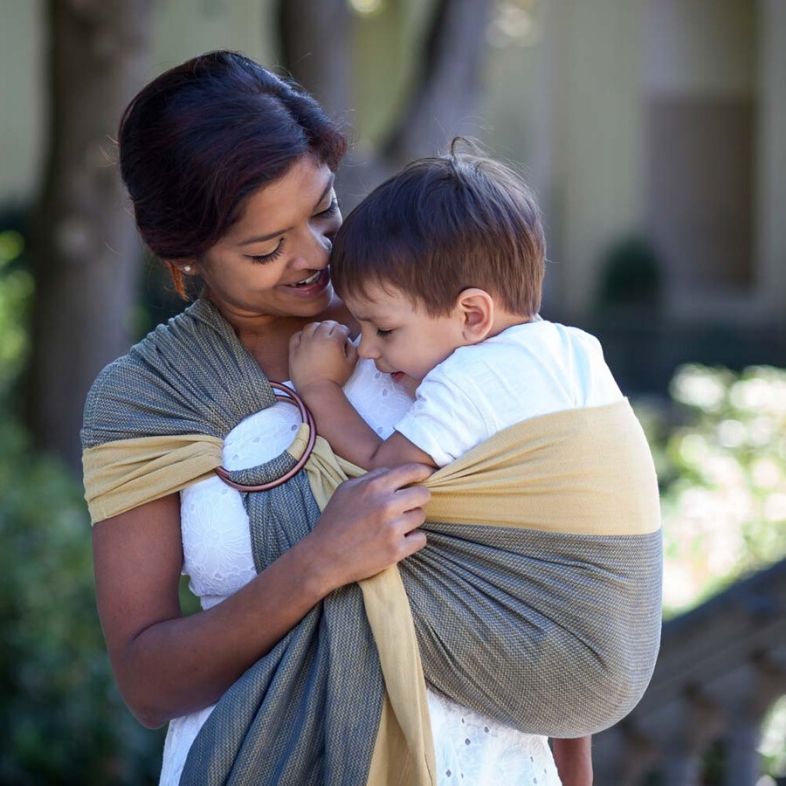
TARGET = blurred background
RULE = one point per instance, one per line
(654, 135)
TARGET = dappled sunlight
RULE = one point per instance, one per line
(724, 480)
(16, 290)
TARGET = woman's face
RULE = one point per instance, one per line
(274, 260)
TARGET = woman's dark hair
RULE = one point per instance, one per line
(201, 137)
(441, 225)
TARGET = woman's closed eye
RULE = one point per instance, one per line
(274, 254)
(382, 332)
(261, 259)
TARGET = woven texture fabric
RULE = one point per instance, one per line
(189, 376)
(306, 713)
(550, 632)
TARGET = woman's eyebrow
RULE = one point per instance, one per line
(271, 235)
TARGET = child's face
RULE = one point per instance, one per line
(399, 336)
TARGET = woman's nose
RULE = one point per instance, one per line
(316, 251)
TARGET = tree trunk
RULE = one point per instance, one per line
(85, 252)
(446, 93)
(316, 45)
(316, 39)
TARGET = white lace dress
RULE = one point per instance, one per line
(470, 749)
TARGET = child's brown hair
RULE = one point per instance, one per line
(441, 225)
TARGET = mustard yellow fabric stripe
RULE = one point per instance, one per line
(586, 471)
(519, 478)
(527, 476)
(404, 747)
(390, 620)
(120, 476)
(582, 471)
(392, 760)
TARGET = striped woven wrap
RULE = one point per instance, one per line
(536, 601)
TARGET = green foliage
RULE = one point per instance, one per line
(773, 743)
(724, 478)
(16, 290)
(723, 495)
(62, 719)
(631, 277)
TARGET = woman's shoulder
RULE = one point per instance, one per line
(126, 383)
(99, 402)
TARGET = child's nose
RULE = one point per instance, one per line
(367, 350)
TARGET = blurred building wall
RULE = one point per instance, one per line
(182, 28)
(21, 101)
(664, 119)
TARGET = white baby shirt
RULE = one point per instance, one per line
(523, 372)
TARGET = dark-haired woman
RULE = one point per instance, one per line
(230, 172)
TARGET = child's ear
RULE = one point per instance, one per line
(476, 311)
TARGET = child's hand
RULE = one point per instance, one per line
(321, 353)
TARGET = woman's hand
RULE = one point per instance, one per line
(370, 523)
(321, 353)
(168, 665)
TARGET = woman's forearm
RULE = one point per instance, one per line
(180, 665)
(185, 664)
(167, 665)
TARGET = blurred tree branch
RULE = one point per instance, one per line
(84, 247)
(316, 48)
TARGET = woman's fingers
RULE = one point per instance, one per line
(412, 497)
(410, 520)
(350, 350)
(373, 522)
(414, 541)
(407, 474)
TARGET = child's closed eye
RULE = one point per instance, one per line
(383, 333)
(332, 208)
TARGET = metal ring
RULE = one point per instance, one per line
(283, 393)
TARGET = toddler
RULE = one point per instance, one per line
(442, 268)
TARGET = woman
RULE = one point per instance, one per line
(230, 171)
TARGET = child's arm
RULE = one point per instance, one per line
(321, 360)
(574, 760)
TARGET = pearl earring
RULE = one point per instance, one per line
(186, 268)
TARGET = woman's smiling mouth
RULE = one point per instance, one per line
(312, 284)
(306, 281)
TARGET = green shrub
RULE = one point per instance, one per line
(724, 479)
(62, 720)
(16, 290)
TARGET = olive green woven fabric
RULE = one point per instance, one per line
(548, 632)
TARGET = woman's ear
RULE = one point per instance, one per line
(178, 270)
(476, 310)
(187, 266)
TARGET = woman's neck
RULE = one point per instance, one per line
(266, 336)
(269, 344)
